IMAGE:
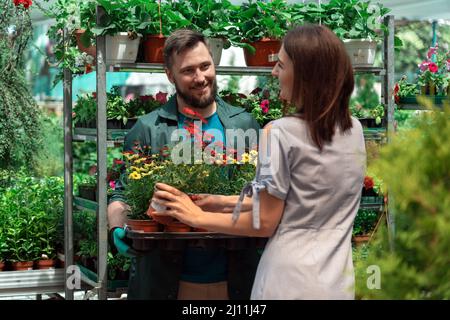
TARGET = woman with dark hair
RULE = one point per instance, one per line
(308, 184)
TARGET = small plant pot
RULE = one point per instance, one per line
(429, 89)
(216, 47)
(88, 192)
(143, 225)
(91, 50)
(361, 239)
(177, 226)
(153, 48)
(361, 52)
(370, 123)
(120, 48)
(2, 265)
(265, 55)
(369, 192)
(160, 218)
(45, 264)
(22, 265)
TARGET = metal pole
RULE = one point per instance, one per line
(102, 230)
(388, 96)
(68, 179)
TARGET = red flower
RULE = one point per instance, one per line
(146, 98)
(368, 182)
(26, 3)
(433, 67)
(265, 106)
(161, 97)
(87, 68)
(118, 162)
(396, 97)
(94, 94)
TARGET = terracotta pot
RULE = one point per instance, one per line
(45, 264)
(361, 239)
(161, 218)
(153, 48)
(265, 55)
(91, 50)
(177, 226)
(22, 265)
(143, 225)
(2, 265)
(199, 230)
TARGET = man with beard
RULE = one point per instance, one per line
(182, 269)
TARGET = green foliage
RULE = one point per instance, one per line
(19, 116)
(256, 20)
(365, 221)
(117, 263)
(416, 169)
(355, 19)
(123, 16)
(50, 158)
(30, 211)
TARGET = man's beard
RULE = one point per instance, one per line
(194, 102)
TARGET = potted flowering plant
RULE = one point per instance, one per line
(264, 104)
(142, 105)
(216, 173)
(364, 224)
(434, 72)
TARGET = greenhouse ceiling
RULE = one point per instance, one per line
(409, 9)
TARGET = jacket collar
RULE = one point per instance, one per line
(224, 110)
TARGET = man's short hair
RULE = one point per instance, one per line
(179, 41)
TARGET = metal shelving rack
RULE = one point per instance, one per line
(109, 137)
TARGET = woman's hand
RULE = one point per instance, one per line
(179, 204)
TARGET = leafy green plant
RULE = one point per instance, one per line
(19, 115)
(117, 264)
(365, 221)
(415, 167)
(355, 19)
(256, 20)
(85, 110)
(123, 16)
(32, 209)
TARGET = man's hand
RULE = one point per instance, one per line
(118, 235)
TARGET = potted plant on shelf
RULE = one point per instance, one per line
(142, 105)
(122, 24)
(261, 25)
(433, 75)
(212, 19)
(87, 186)
(363, 226)
(85, 111)
(359, 24)
(163, 19)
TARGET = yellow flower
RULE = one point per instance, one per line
(253, 153)
(147, 173)
(135, 175)
(131, 157)
(245, 158)
(219, 162)
(135, 169)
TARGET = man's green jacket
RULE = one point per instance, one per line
(156, 275)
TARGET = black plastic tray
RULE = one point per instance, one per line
(145, 241)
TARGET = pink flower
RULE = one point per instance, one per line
(112, 184)
(448, 65)
(432, 51)
(424, 66)
(161, 97)
(264, 106)
(433, 67)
